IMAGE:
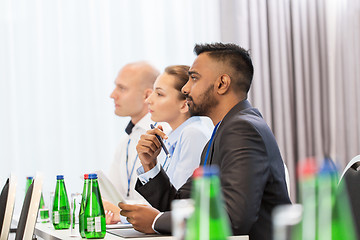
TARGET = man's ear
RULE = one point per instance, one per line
(147, 93)
(184, 107)
(223, 84)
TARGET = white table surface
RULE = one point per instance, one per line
(47, 232)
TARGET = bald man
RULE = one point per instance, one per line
(133, 85)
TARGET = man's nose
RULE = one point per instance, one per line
(186, 88)
(148, 99)
(113, 94)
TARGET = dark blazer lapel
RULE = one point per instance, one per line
(203, 154)
(235, 110)
(211, 151)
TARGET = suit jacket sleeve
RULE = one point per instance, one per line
(159, 191)
(163, 223)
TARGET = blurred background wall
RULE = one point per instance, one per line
(306, 55)
(59, 59)
(58, 63)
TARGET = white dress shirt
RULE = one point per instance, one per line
(119, 170)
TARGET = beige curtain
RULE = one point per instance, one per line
(306, 55)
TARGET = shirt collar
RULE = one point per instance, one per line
(174, 135)
(129, 128)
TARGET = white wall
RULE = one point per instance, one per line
(58, 61)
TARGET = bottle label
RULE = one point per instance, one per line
(90, 224)
(56, 217)
(97, 224)
(94, 224)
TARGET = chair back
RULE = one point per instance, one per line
(287, 178)
(29, 211)
(7, 202)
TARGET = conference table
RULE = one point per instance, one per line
(46, 231)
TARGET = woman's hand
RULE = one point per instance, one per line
(112, 218)
(112, 212)
(149, 147)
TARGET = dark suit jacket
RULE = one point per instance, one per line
(251, 174)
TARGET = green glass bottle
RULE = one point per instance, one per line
(209, 220)
(306, 229)
(326, 185)
(82, 207)
(94, 215)
(342, 224)
(192, 228)
(61, 206)
(29, 181)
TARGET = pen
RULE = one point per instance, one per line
(161, 142)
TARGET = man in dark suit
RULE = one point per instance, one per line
(243, 147)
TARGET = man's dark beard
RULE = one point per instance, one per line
(207, 102)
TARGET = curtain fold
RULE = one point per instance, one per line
(306, 81)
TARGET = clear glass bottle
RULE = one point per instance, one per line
(94, 215)
(43, 211)
(61, 206)
(42, 203)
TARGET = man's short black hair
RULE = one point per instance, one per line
(237, 57)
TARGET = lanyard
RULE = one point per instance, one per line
(165, 163)
(211, 139)
(127, 168)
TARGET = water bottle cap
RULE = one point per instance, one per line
(86, 176)
(328, 167)
(29, 178)
(211, 170)
(60, 177)
(307, 168)
(92, 176)
(206, 171)
(198, 172)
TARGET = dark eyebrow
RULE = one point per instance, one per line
(193, 72)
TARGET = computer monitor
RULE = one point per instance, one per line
(29, 211)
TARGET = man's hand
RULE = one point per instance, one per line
(149, 147)
(140, 216)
